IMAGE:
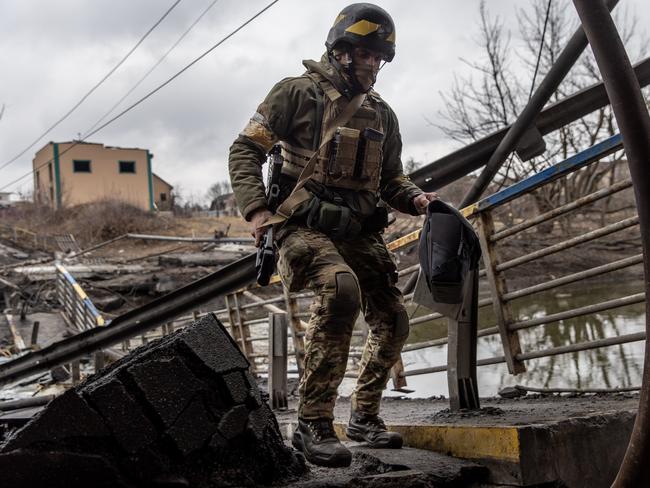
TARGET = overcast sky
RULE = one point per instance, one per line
(52, 53)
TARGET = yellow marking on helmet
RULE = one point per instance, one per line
(363, 28)
(339, 18)
(391, 38)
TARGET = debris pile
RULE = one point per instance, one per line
(180, 411)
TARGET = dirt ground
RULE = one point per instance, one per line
(531, 409)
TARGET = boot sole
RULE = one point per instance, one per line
(334, 461)
(393, 443)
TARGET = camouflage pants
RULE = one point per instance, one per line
(346, 276)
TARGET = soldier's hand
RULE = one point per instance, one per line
(257, 220)
(421, 202)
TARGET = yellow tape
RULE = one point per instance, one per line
(469, 210)
(79, 291)
(404, 240)
(339, 18)
(362, 28)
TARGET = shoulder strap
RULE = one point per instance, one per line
(300, 195)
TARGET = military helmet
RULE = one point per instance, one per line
(365, 25)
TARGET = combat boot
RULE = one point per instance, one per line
(317, 440)
(372, 430)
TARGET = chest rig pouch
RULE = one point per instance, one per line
(351, 161)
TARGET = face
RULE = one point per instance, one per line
(367, 58)
(366, 64)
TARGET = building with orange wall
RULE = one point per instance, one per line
(72, 173)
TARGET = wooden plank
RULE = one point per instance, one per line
(498, 288)
(232, 317)
(19, 343)
(244, 329)
(398, 378)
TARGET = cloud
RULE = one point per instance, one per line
(54, 52)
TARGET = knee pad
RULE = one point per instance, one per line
(347, 298)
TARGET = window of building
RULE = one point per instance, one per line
(163, 197)
(81, 166)
(127, 166)
(38, 181)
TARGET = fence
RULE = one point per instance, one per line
(76, 308)
(494, 274)
(246, 315)
(18, 234)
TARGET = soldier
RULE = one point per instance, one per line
(341, 147)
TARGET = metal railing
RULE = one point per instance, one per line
(507, 325)
(246, 315)
(76, 308)
(501, 298)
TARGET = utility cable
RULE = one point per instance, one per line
(97, 85)
(173, 46)
(158, 88)
(541, 47)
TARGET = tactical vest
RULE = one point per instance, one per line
(353, 159)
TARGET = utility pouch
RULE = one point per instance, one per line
(342, 155)
(369, 156)
(336, 221)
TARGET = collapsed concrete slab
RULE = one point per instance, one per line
(181, 411)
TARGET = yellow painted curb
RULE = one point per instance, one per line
(463, 441)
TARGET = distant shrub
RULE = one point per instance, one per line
(90, 223)
(106, 219)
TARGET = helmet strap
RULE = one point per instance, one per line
(349, 70)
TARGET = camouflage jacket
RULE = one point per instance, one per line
(292, 111)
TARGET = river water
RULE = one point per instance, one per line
(610, 367)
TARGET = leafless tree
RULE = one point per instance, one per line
(492, 96)
(218, 189)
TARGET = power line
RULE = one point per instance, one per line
(541, 47)
(67, 114)
(173, 46)
(159, 87)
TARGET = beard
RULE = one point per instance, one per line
(365, 77)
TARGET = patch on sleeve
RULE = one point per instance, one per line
(257, 131)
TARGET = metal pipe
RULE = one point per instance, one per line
(191, 239)
(632, 117)
(36, 401)
(554, 351)
(154, 314)
(583, 346)
(271, 308)
(577, 312)
(471, 157)
(526, 119)
(564, 209)
(572, 278)
(443, 340)
(568, 314)
(560, 246)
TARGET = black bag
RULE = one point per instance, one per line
(449, 248)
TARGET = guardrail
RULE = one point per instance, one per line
(507, 326)
(77, 309)
(20, 235)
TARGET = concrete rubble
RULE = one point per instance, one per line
(181, 411)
